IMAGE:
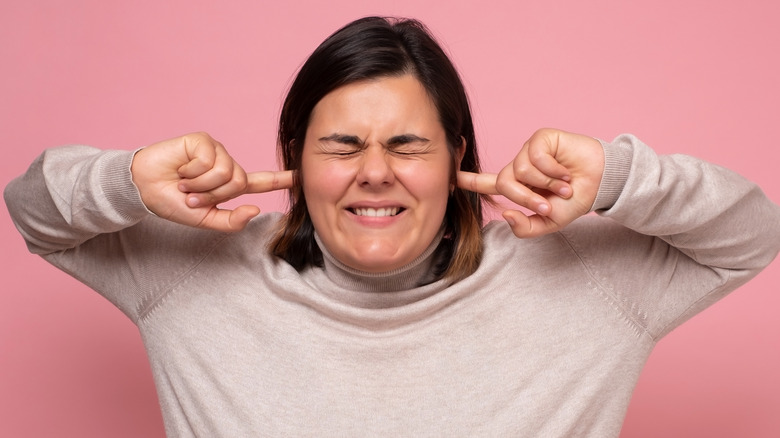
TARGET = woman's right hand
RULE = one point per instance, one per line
(184, 179)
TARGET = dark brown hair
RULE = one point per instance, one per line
(369, 48)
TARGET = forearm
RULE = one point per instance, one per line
(684, 233)
(70, 194)
(709, 213)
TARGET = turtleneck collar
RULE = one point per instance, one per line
(378, 301)
(418, 272)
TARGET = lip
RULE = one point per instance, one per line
(375, 205)
(375, 213)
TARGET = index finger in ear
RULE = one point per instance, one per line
(484, 183)
(268, 181)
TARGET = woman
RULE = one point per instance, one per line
(379, 305)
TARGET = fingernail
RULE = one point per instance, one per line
(565, 191)
(193, 201)
(543, 209)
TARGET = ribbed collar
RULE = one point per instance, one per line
(369, 290)
(377, 302)
(416, 273)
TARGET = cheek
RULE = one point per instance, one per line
(426, 182)
(324, 181)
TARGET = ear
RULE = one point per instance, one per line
(457, 158)
(296, 191)
(460, 151)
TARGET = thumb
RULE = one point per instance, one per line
(229, 220)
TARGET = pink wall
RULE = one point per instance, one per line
(698, 77)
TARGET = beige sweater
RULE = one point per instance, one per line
(546, 339)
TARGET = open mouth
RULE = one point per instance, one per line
(376, 212)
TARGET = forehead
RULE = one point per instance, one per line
(396, 101)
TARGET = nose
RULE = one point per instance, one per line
(375, 170)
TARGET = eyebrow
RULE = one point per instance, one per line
(406, 138)
(395, 140)
(343, 138)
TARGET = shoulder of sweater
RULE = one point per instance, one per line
(258, 232)
(173, 238)
(497, 232)
(587, 237)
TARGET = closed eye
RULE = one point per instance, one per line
(408, 144)
(341, 145)
(345, 145)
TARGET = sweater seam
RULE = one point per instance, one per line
(603, 290)
(675, 322)
(683, 315)
(148, 309)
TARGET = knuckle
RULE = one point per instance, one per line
(199, 136)
(537, 154)
(275, 183)
(469, 183)
(240, 182)
(522, 168)
(544, 132)
(502, 185)
(197, 139)
(223, 174)
(201, 162)
(475, 186)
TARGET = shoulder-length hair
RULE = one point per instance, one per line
(370, 48)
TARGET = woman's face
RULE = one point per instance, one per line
(376, 172)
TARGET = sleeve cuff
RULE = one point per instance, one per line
(118, 186)
(617, 166)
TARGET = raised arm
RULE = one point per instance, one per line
(85, 212)
(709, 212)
(71, 194)
(684, 232)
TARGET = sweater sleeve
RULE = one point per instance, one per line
(78, 208)
(683, 234)
(70, 194)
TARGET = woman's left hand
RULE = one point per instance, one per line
(556, 176)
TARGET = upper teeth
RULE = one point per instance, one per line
(390, 211)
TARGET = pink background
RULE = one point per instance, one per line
(697, 77)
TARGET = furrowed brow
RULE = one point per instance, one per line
(406, 138)
(342, 138)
